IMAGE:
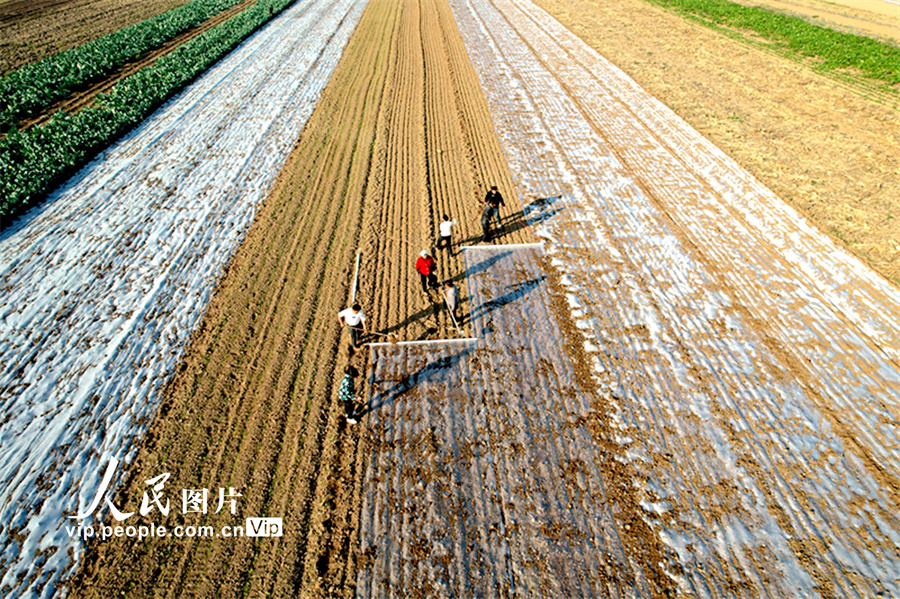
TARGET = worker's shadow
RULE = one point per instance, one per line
(432, 370)
(517, 291)
(538, 204)
(534, 212)
(435, 367)
(437, 303)
(539, 210)
(487, 263)
(509, 225)
(433, 309)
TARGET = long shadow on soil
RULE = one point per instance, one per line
(431, 370)
(518, 290)
(434, 307)
(432, 310)
(512, 223)
(428, 371)
(532, 214)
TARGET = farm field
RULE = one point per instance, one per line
(667, 382)
(879, 18)
(752, 365)
(34, 29)
(121, 262)
(400, 135)
(831, 154)
(490, 468)
(86, 95)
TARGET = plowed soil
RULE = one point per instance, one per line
(818, 144)
(400, 136)
(32, 30)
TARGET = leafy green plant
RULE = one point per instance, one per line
(34, 160)
(834, 50)
(37, 86)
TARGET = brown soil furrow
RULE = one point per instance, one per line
(287, 485)
(249, 432)
(33, 30)
(400, 136)
(324, 307)
(83, 98)
(241, 302)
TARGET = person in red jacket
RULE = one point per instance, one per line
(426, 266)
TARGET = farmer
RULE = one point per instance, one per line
(451, 294)
(353, 317)
(347, 393)
(446, 230)
(495, 200)
(486, 213)
(426, 266)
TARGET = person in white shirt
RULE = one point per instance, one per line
(446, 230)
(353, 317)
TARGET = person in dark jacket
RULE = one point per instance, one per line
(347, 393)
(495, 200)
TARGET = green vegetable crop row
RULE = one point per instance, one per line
(836, 50)
(37, 86)
(33, 160)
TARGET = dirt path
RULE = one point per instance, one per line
(400, 135)
(30, 31)
(830, 153)
(85, 97)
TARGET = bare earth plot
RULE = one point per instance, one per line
(875, 18)
(754, 367)
(484, 477)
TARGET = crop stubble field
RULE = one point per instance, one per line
(400, 135)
